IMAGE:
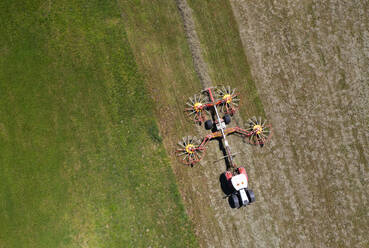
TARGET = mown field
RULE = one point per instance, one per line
(168, 67)
(310, 63)
(311, 181)
(82, 163)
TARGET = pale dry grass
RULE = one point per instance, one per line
(310, 62)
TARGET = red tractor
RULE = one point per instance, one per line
(191, 150)
(240, 195)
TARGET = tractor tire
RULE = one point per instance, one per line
(250, 195)
(234, 201)
(208, 124)
(227, 119)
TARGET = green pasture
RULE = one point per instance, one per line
(81, 159)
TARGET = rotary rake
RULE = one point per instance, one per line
(198, 106)
(203, 109)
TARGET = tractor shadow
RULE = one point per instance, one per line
(227, 189)
(224, 184)
(222, 148)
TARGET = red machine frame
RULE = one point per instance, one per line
(192, 151)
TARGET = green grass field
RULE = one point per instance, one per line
(82, 163)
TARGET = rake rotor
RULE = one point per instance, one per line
(195, 108)
(260, 132)
(205, 108)
(189, 150)
(228, 99)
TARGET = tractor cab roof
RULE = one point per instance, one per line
(239, 181)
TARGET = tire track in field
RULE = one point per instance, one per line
(216, 224)
(311, 64)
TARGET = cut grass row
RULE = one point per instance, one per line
(82, 163)
(223, 51)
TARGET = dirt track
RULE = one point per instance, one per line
(310, 61)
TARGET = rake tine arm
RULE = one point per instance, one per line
(242, 131)
(205, 142)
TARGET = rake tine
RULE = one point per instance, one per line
(258, 138)
(263, 139)
(229, 89)
(263, 125)
(181, 144)
(233, 91)
(189, 104)
(255, 120)
(224, 90)
(252, 121)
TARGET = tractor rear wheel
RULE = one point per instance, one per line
(234, 202)
(208, 124)
(250, 195)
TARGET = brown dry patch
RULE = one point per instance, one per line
(310, 61)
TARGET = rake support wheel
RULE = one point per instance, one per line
(228, 99)
(195, 108)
